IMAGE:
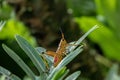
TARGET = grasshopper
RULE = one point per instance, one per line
(60, 52)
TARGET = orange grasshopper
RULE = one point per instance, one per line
(60, 53)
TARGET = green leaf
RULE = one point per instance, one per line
(2, 23)
(113, 73)
(14, 77)
(32, 53)
(19, 61)
(59, 73)
(42, 52)
(110, 10)
(8, 74)
(4, 71)
(13, 27)
(66, 72)
(103, 36)
(83, 37)
(2, 77)
(73, 76)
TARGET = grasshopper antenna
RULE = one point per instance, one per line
(61, 32)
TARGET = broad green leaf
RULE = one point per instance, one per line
(110, 10)
(13, 27)
(19, 61)
(103, 36)
(73, 76)
(32, 54)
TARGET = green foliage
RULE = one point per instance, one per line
(108, 16)
(5, 11)
(58, 72)
(19, 61)
(2, 23)
(105, 37)
(7, 74)
(81, 7)
(110, 10)
(13, 27)
(73, 76)
(32, 53)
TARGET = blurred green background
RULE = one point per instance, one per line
(39, 21)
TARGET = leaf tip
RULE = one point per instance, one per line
(3, 45)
